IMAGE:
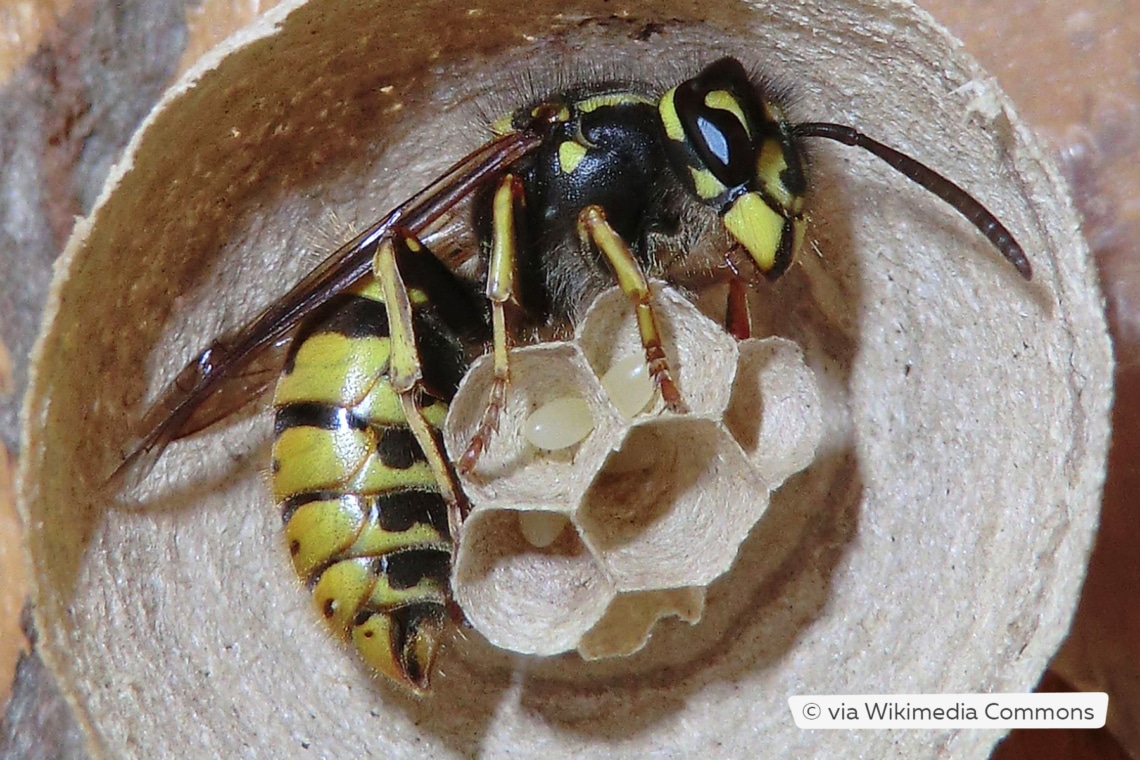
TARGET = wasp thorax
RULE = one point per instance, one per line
(577, 548)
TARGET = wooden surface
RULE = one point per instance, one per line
(14, 587)
(75, 81)
(1072, 70)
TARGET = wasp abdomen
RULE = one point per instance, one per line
(365, 521)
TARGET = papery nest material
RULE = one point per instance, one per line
(653, 508)
(938, 549)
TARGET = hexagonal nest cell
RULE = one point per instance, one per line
(586, 547)
(936, 544)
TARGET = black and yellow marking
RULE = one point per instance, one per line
(594, 183)
(367, 518)
(739, 157)
(570, 156)
(619, 166)
(405, 372)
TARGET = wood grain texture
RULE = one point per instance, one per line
(76, 78)
(14, 584)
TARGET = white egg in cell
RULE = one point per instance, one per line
(559, 424)
(629, 385)
(541, 528)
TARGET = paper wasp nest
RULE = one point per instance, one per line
(936, 544)
(587, 547)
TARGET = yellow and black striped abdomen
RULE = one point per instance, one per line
(366, 523)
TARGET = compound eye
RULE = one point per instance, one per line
(717, 113)
(719, 133)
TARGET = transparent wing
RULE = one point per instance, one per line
(235, 369)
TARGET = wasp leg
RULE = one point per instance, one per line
(405, 371)
(593, 227)
(507, 202)
(737, 317)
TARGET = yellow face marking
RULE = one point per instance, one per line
(706, 184)
(669, 118)
(773, 112)
(612, 99)
(770, 163)
(724, 100)
(334, 369)
(570, 154)
(757, 227)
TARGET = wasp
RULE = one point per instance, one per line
(612, 181)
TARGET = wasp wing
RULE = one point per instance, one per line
(234, 392)
(230, 367)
